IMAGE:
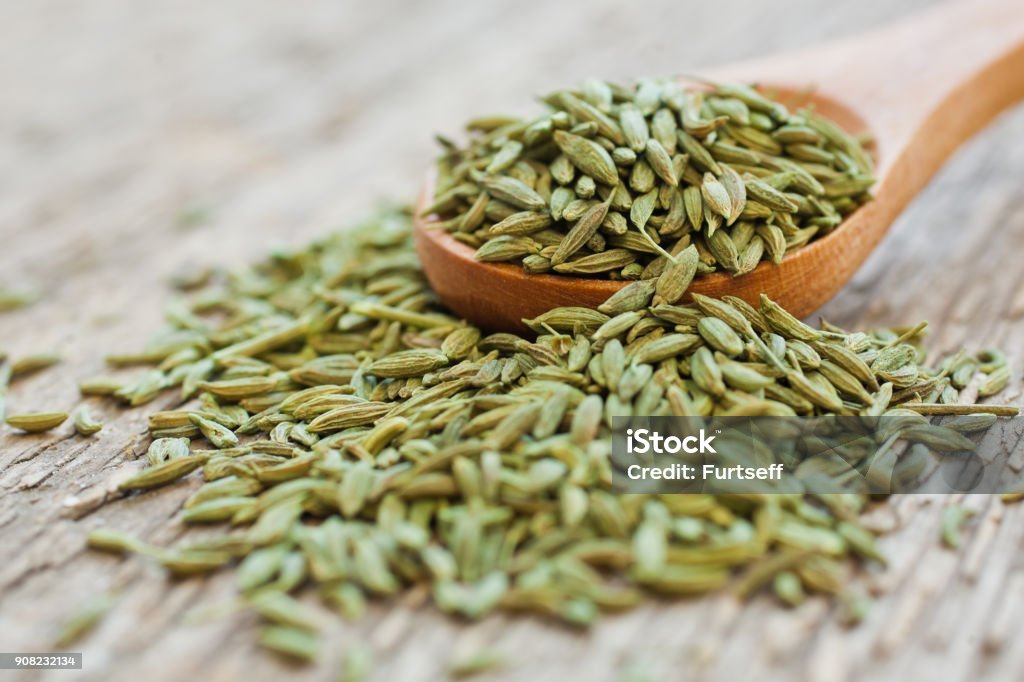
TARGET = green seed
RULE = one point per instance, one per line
(478, 662)
(291, 642)
(33, 363)
(37, 422)
(83, 621)
(85, 425)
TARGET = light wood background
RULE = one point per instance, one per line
(142, 137)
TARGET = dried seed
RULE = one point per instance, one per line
(409, 363)
(220, 436)
(291, 642)
(85, 425)
(166, 472)
(33, 363)
(481, 661)
(164, 449)
(583, 230)
(83, 621)
(953, 519)
(590, 157)
(676, 278)
(37, 422)
(720, 336)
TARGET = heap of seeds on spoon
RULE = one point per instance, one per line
(649, 181)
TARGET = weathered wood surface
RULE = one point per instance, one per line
(142, 137)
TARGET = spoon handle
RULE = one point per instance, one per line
(922, 85)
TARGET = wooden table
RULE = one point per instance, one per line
(143, 137)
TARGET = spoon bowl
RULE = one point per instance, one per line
(920, 88)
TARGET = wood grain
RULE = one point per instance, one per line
(143, 137)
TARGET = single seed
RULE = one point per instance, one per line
(37, 422)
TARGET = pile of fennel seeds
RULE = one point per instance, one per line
(622, 182)
(354, 440)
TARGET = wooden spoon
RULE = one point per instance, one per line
(921, 87)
